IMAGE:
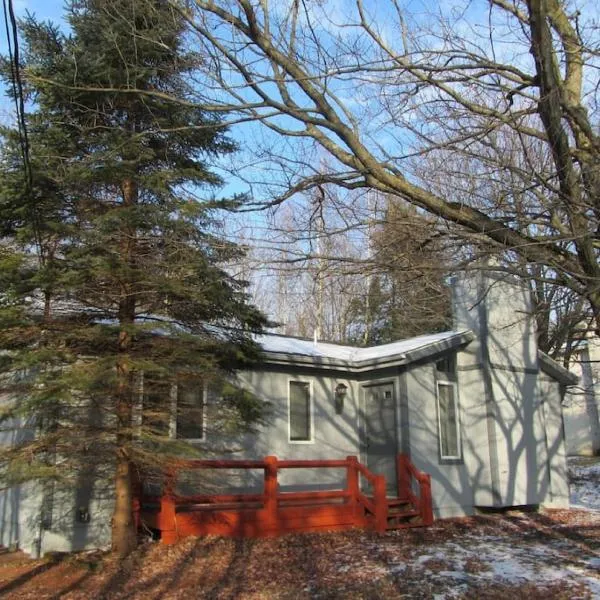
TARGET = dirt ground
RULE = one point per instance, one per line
(555, 554)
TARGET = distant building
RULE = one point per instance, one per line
(581, 405)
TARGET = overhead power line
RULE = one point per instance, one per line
(12, 39)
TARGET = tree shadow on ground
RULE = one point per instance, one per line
(26, 577)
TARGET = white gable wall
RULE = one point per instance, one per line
(499, 376)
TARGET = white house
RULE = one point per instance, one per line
(479, 408)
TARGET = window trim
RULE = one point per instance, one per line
(311, 439)
(458, 457)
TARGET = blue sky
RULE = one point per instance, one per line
(44, 10)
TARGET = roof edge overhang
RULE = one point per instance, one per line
(549, 366)
(360, 366)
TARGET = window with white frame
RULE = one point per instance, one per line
(300, 411)
(448, 420)
(190, 411)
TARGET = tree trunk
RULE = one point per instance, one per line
(124, 535)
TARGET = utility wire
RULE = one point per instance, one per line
(12, 39)
(17, 85)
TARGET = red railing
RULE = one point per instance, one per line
(406, 473)
(378, 507)
(274, 511)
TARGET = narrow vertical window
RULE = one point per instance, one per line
(448, 421)
(300, 412)
(190, 411)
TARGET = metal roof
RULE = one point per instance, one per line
(289, 350)
(281, 349)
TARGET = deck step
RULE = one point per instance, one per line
(403, 514)
(397, 501)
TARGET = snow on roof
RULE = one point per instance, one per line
(279, 344)
(289, 350)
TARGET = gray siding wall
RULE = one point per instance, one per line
(512, 455)
(582, 402)
(522, 476)
(452, 480)
(40, 518)
(334, 436)
(65, 533)
(21, 509)
(512, 444)
(19, 505)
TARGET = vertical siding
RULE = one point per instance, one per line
(451, 483)
(558, 492)
(23, 506)
(521, 451)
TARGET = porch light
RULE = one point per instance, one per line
(340, 393)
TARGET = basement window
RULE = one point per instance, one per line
(300, 412)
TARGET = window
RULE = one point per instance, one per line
(300, 426)
(189, 424)
(172, 411)
(448, 421)
(446, 365)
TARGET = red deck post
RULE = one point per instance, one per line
(426, 500)
(402, 476)
(353, 488)
(167, 518)
(270, 490)
(381, 508)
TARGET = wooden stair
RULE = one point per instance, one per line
(401, 513)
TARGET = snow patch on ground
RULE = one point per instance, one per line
(535, 553)
(584, 476)
(479, 561)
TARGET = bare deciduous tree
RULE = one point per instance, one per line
(379, 87)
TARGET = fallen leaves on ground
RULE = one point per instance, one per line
(555, 554)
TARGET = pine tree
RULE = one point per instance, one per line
(128, 286)
(407, 293)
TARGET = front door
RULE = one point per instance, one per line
(380, 432)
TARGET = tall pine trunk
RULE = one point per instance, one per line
(124, 535)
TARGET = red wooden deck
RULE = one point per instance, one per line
(274, 512)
